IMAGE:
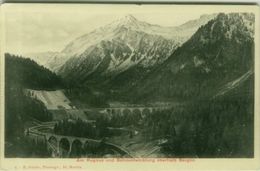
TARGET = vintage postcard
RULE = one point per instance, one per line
(132, 87)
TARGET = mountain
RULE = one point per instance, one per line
(126, 44)
(220, 52)
(54, 60)
(115, 48)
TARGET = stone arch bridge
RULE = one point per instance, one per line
(68, 146)
(130, 110)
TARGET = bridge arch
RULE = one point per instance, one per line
(108, 110)
(146, 111)
(120, 111)
(86, 147)
(153, 110)
(64, 147)
(52, 139)
(137, 113)
(52, 143)
(89, 148)
(76, 148)
(137, 110)
(126, 111)
(113, 111)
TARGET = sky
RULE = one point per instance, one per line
(50, 27)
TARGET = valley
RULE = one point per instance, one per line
(128, 137)
(134, 89)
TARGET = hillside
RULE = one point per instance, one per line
(20, 74)
(53, 100)
(123, 47)
(113, 49)
(25, 73)
(221, 127)
(219, 52)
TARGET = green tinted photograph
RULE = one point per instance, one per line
(128, 81)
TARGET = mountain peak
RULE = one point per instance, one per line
(127, 20)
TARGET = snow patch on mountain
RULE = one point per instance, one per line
(120, 45)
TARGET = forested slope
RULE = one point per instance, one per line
(22, 74)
